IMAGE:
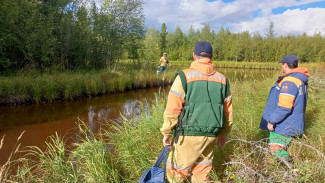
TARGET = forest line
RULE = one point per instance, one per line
(67, 35)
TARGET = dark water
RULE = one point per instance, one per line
(39, 121)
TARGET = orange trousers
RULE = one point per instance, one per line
(191, 157)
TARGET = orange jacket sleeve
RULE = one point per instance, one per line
(175, 101)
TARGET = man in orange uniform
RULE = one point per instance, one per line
(163, 63)
(198, 116)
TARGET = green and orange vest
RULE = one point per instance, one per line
(203, 111)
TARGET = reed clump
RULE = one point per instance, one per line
(6, 167)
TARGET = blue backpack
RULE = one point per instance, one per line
(156, 174)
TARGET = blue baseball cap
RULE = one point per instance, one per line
(289, 59)
(203, 46)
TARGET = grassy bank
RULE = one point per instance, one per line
(253, 65)
(49, 87)
(123, 152)
(38, 88)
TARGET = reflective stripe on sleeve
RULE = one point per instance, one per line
(227, 98)
(176, 93)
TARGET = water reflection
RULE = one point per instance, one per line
(43, 120)
(131, 108)
(91, 115)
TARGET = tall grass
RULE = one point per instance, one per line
(123, 151)
(73, 85)
(88, 160)
(140, 143)
(6, 168)
(253, 65)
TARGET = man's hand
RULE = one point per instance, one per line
(221, 140)
(270, 126)
(167, 140)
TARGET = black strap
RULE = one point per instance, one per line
(179, 126)
(183, 80)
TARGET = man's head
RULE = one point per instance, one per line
(203, 49)
(289, 62)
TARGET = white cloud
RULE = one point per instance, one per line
(293, 22)
(185, 13)
(238, 15)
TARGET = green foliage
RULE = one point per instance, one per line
(163, 35)
(68, 34)
(92, 157)
(151, 48)
(36, 87)
(87, 161)
(40, 88)
(253, 65)
(176, 43)
(135, 147)
(245, 46)
(207, 34)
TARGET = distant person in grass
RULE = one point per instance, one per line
(198, 116)
(163, 63)
(284, 114)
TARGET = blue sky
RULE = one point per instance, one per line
(290, 17)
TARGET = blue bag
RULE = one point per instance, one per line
(156, 174)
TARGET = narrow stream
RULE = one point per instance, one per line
(39, 121)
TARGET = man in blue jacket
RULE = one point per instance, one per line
(284, 113)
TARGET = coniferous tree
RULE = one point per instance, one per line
(163, 38)
(207, 34)
(176, 44)
(270, 31)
